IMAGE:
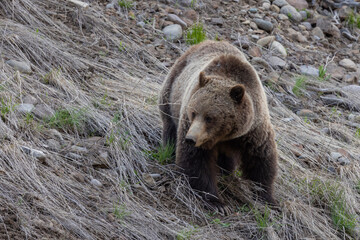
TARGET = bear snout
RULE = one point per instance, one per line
(190, 139)
(196, 134)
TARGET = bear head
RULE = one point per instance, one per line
(219, 110)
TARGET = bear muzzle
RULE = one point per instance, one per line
(196, 135)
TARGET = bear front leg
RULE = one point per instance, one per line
(200, 167)
(259, 164)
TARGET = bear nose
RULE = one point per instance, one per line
(190, 139)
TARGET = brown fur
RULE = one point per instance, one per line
(214, 108)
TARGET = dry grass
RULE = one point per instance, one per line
(77, 64)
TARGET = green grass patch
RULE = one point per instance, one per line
(322, 74)
(126, 4)
(357, 133)
(299, 86)
(186, 233)
(262, 218)
(163, 154)
(120, 211)
(68, 119)
(353, 20)
(6, 107)
(331, 196)
(196, 34)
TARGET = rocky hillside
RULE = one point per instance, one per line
(81, 155)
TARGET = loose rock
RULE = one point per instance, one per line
(96, 182)
(263, 42)
(291, 12)
(25, 108)
(21, 66)
(173, 32)
(280, 3)
(264, 25)
(35, 153)
(279, 48)
(348, 64)
(174, 18)
(309, 70)
(298, 4)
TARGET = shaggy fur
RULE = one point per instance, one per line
(214, 109)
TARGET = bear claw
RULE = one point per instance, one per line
(220, 208)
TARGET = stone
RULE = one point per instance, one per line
(35, 153)
(24, 108)
(306, 113)
(307, 25)
(343, 161)
(317, 32)
(344, 12)
(291, 12)
(29, 99)
(255, 51)
(217, 21)
(309, 71)
(55, 134)
(78, 177)
(351, 78)
(20, 66)
(300, 38)
(298, 4)
(140, 24)
(253, 10)
(176, 19)
(110, 5)
(43, 111)
(173, 32)
(53, 144)
(276, 62)
(263, 24)
(335, 71)
(78, 149)
(353, 92)
(275, 8)
(96, 182)
(278, 48)
(282, 17)
(304, 15)
(328, 27)
(280, 3)
(348, 64)
(253, 25)
(265, 41)
(266, 6)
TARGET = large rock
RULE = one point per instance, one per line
(291, 12)
(335, 71)
(328, 27)
(280, 3)
(348, 64)
(173, 32)
(265, 41)
(318, 33)
(21, 66)
(263, 24)
(174, 18)
(298, 4)
(279, 48)
(309, 71)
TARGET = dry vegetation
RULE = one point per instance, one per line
(110, 94)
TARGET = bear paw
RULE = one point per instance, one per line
(219, 207)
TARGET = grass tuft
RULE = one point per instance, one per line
(67, 119)
(163, 154)
(299, 86)
(196, 34)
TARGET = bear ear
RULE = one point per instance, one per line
(203, 80)
(237, 93)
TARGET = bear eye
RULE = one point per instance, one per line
(208, 119)
(193, 115)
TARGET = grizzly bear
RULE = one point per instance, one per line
(214, 109)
